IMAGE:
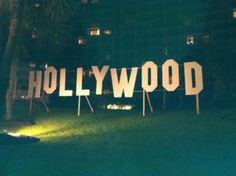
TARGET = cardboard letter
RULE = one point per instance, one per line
(99, 76)
(123, 84)
(35, 84)
(170, 82)
(190, 89)
(79, 83)
(62, 88)
(50, 85)
(154, 76)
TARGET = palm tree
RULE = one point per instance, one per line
(9, 49)
(22, 18)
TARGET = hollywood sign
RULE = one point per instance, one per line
(122, 84)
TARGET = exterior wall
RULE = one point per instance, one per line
(142, 30)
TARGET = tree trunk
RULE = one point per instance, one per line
(9, 53)
(10, 96)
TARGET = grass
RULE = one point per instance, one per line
(125, 144)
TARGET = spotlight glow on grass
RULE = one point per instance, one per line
(11, 133)
(65, 126)
(40, 130)
(110, 142)
(10, 138)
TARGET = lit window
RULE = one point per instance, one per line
(46, 65)
(43, 66)
(190, 40)
(34, 33)
(81, 40)
(32, 65)
(36, 5)
(234, 13)
(107, 32)
(94, 31)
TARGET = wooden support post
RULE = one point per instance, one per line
(44, 104)
(30, 106)
(79, 102)
(90, 106)
(164, 100)
(143, 103)
(197, 104)
(149, 102)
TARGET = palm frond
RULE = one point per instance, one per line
(60, 10)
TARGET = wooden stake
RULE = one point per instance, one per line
(197, 104)
(143, 103)
(30, 106)
(164, 100)
(44, 104)
(90, 106)
(79, 101)
(149, 102)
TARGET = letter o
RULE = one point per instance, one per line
(154, 76)
(170, 82)
(50, 80)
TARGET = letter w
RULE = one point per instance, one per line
(123, 84)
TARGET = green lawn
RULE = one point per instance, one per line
(125, 144)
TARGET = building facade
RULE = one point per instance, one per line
(113, 32)
(127, 33)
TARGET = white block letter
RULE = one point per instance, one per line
(79, 83)
(50, 80)
(35, 84)
(62, 88)
(170, 82)
(123, 84)
(99, 76)
(189, 68)
(154, 76)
